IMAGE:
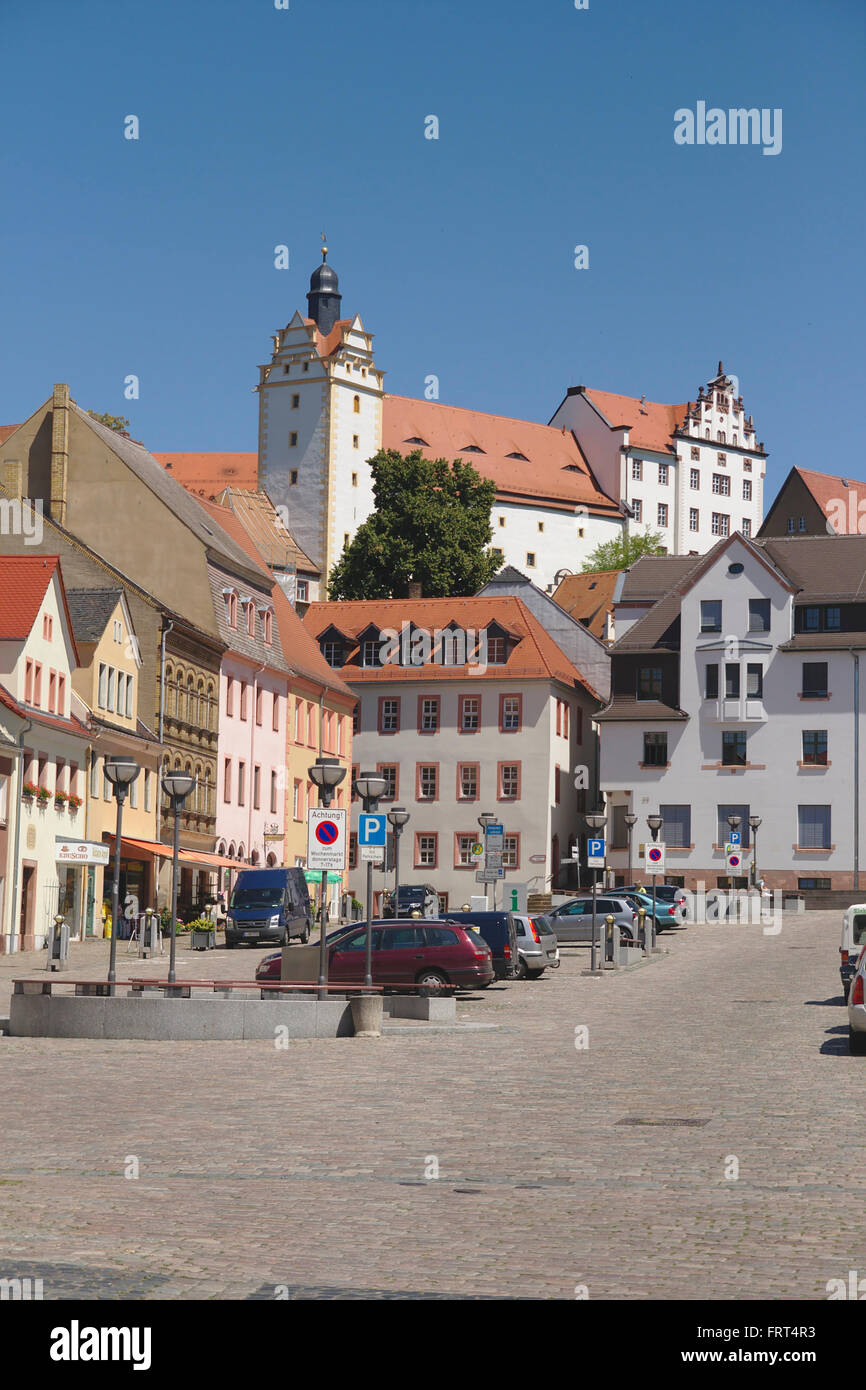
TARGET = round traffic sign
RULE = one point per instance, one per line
(654, 855)
(326, 832)
(734, 861)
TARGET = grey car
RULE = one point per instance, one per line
(572, 921)
(536, 946)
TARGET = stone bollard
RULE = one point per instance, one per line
(367, 1015)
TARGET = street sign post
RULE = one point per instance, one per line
(326, 838)
(736, 837)
(655, 858)
(735, 858)
(372, 838)
(494, 843)
(489, 875)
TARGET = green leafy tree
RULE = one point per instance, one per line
(113, 422)
(618, 554)
(431, 527)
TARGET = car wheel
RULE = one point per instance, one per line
(857, 1043)
(625, 934)
(534, 974)
(230, 945)
(520, 971)
(432, 980)
(305, 936)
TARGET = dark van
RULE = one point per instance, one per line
(271, 905)
(499, 930)
(414, 897)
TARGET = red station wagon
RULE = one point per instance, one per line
(405, 953)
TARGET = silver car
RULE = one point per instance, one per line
(572, 921)
(536, 947)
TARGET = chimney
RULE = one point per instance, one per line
(415, 589)
(59, 452)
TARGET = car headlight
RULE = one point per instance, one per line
(275, 920)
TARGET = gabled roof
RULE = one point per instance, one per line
(651, 424)
(24, 580)
(828, 491)
(90, 610)
(299, 651)
(274, 543)
(176, 498)
(820, 567)
(6, 430)
(205, 474)
(536, 463)
(535, 655)
(588, 597)
(72, 725)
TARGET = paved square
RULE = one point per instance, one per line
(305, 1170)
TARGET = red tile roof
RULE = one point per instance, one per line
(206, 474)
(524, 459)
(828, 491)
(588, 597)
(23, 582)
(6, 430)
(326, 345)
(651, 424)
(535, 656)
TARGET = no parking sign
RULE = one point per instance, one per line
(326, 838)
(655, 858)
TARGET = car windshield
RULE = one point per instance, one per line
(245, 898)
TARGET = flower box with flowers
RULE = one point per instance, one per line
(43, 795)
(74, 803)
(29, 790)
(60, 800)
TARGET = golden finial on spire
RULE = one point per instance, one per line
(324, 248)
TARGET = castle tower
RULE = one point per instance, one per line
(320, 421)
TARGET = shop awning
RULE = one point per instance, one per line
(155, 848)
(315, 876)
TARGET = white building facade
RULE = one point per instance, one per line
(739, 692)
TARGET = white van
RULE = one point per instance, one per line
(853, 941)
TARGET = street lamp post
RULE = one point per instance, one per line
(734, 823)
(121, 773)
(326, 774)
(177, 787)
(370, 786)
(631, 821)
(397, 818)
(655, 824)
(595, 822)
(754, 822)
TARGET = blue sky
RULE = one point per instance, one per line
(261, 126)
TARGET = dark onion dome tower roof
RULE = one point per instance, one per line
(323, 300)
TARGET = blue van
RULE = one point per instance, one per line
(270, 905)
(499, 930)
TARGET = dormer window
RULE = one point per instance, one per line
(251, 617)
(268, 627)
(471, 449)
(416, 439)
(496, 651)
(333, 653)
(370, 652)
(516, 455)
(232, 608)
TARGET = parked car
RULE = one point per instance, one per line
(413, 897)
(536, 947)
(499, 930)
(667, 894)
(269, 905)
(404, 952)
(572, 921)
(857, 1009)
(853, 941)
(667, 914)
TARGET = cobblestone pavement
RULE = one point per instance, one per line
(303, 1172)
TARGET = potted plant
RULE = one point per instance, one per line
(43, 795)
(202, 934)
(60, 800)
(74, 803)
(29, 790)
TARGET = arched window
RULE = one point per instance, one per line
(706, 434)
(272, 860)
(211, 709)
(221, 849)
(201, 713)
(232, 608)
(268, 625)
(208, 809)
(198, 790)
(254, 857)
(356, 404)
(190, 700)
(720, 436)
(231, 853)
(242, 854)
(169, 696)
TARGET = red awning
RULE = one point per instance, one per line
(156, 849)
